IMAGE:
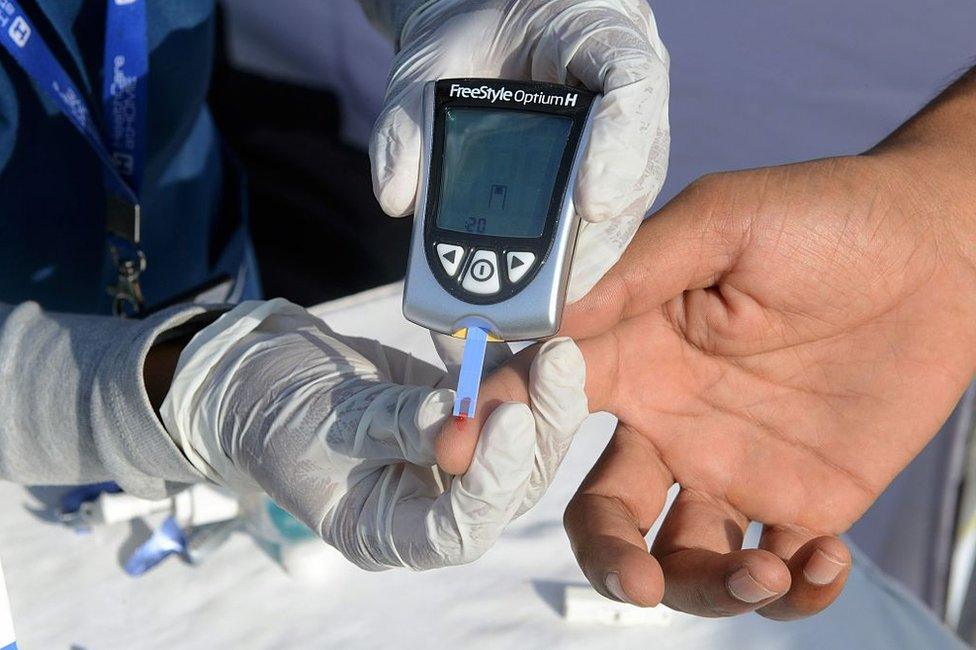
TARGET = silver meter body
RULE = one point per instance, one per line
(494, 226)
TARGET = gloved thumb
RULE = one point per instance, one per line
(551, 379)
(617, 52)
(394, 150)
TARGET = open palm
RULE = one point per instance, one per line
(781, 343)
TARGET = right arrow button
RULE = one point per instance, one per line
(519, 264)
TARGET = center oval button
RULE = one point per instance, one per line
(482, 274)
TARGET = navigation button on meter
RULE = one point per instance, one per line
(482, 274)
(518, 265)
(450, 257)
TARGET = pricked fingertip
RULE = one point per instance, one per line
(455, 445)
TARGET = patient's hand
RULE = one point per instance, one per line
(781, 343)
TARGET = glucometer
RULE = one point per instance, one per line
(494, 226)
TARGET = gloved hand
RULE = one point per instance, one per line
(609, 46)
(340, 432)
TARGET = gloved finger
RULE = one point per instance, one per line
(705, 571)
(451, 350)
(819, 566)
(465, 521)
(598, 247)
(619, 54)
(456, 443)
(611, 513)
(626, 159)
(386, 423)
(395, 149)
(558, 400)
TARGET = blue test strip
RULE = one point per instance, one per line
(469, 379)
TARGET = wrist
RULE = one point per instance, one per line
(936, 186)
(933, 157)
(164, 355)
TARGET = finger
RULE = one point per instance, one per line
(558, 401)
(618, 54)
(689, 244)
(458, 438)
(395, 365)
(395, 148)
(705, 571)
(626, 160)
(464, 522)
(510, 383)
(393, 423)
(551, 378)
(612, 511)
(819, 566)
(598, 247)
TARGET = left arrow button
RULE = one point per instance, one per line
(450, 257)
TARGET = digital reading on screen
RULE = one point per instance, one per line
(499, 170)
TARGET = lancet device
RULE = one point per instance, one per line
(494, 226)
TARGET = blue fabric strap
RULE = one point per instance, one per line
(166, 540)
(124, 93)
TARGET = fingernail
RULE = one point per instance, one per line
(744, 587)
(822, 569)
(615, 588)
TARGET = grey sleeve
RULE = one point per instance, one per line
(73, 405)
(389, 16)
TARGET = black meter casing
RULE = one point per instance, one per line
(494, 224)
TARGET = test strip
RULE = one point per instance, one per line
(469, 378)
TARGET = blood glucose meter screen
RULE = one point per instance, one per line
(499, 170)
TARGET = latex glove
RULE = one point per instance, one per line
(340, 432)
(609, 46)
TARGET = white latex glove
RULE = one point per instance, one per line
(340, 432)
(609, 46)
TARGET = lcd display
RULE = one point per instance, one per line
(499, 169)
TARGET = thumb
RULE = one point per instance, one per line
(394, 150)
(620, 54)
(689, 244)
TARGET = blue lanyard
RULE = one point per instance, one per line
(122, 146)
(124, 87)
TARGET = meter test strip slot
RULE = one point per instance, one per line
(495, 227)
